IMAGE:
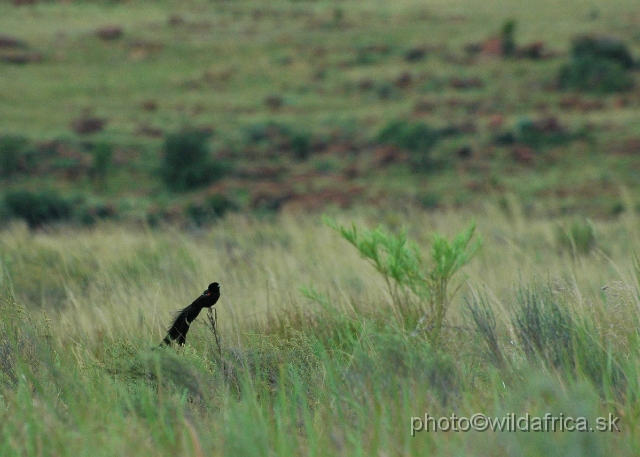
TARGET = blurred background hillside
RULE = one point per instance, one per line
(179, 112)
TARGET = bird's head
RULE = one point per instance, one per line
(214, 288)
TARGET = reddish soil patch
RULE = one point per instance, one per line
(523, 154)
(262, 172)
(270, 196)
(21, 58)
(404, 80)
(386, 155)
(110, 32)
(273, 102)
(492, 47)
(466, 83)
(88, 125)
(316, 201)
(149, 131)
(7, 41)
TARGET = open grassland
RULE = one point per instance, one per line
(317, 357)
(383, 110)
(330, 74)
(215, 62)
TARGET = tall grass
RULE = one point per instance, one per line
(324, 372)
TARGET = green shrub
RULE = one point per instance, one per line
(280, 137)
(415, 137)
(102, 155)
(90, 213)
(541, 133)
(214, 207)
(269, 133)
(255, 133)
(38, 208)
(412, 136)
(187, 164)
(599, 65)
(595, 75)
(410, 278)
(5, 214)
(370, 55)
(429, 200)
(11, 148)
(301, 145)
(602, 48)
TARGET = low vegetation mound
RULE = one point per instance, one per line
(187, 162)
(599, 65)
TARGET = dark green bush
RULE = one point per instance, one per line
(268, 132)
(5, 214)
(11, 148)
(102, 155)
(38, 208)
(599, 65)
(187, 164)
(89, 214)
(412, 136)
(280, 137)
(415, 137)
(429, 200)
(595, 75)
(256, 133)
(301, 145)
(602, 48)
(386, 91)
(543, 132)
(215, 206)
(370, 55)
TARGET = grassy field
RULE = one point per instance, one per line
(319, 358)
(401, 123)
(332, 74)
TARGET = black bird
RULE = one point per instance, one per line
(184, 318)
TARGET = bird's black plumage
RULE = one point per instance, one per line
(184, 318)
